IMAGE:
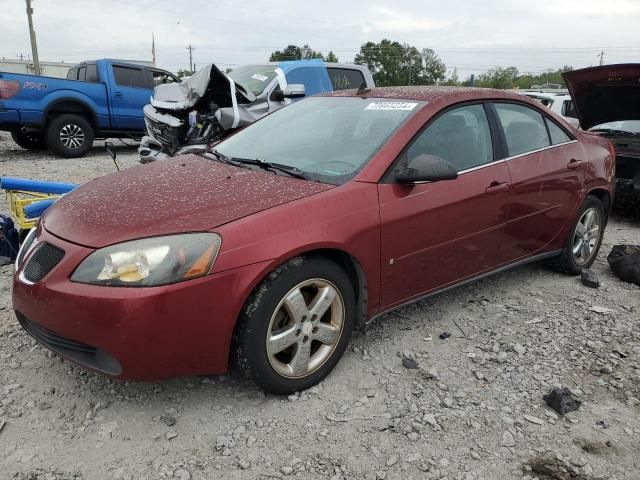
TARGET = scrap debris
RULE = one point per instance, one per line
(444, 335)
(409, 363)
(624, 261)
(562, 400)
(589, 278)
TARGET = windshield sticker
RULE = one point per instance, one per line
(257, 76)
(391, 106)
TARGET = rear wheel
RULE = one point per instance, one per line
(69, 135)
(584, 240)
(29, 141)
(296, 325)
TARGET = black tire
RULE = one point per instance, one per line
(254, 325)
(29, 141)
(567, 261)
(69, 135)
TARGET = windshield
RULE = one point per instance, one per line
(330, 139)
(254, 78)
(631, 126)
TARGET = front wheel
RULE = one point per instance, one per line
(585, 238)
(29, 141)
(69, 135)
(296, 325)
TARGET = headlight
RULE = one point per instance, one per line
(150, 261)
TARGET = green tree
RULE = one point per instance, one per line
(331, 57)
(293, 52)
(434, 69)
(453, 80)
(498, 78)
(393, 63)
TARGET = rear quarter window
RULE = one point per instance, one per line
(345, 78)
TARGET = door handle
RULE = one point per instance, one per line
(117, 94)
(496, 188)
(573, 164)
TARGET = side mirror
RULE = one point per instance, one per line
(426, 168)
(294, 90)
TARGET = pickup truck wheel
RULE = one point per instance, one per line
(69, 136)
(29, 141)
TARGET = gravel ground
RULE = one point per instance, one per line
(472, 409)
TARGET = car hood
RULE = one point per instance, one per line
(183, 194)
(605, 94)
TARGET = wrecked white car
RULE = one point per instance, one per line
(189, 116)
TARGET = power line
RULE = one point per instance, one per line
(34, 45)
(191, 48)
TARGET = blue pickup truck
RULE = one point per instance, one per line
(98, 99)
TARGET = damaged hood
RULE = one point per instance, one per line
(605, 94)
(183, 95)
(184, 194)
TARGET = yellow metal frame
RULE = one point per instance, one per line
(19, 199)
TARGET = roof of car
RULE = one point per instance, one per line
(427, 94)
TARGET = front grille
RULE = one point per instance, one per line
(51, 339)
(42, 261)
(163, 133)
(87, 355)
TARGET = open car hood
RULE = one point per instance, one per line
(183, 95)
(605, 94)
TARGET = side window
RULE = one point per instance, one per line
(460, 136)
(276, 95)
(558, 135)
(92, 73)
(129, 77)
(345, 78)
(524, 128)
(72, 74)
(82, 74)
(568, 110)
(160, 78)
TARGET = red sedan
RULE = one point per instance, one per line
(273, 246)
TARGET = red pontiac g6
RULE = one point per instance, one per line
(273, 246)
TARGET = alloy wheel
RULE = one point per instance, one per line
(305, 328)
(586, 236)
(72, 136)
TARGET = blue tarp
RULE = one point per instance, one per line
(312, 73)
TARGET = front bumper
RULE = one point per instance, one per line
(150, 150)
(133, 333)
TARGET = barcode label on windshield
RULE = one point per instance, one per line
(257, 76)
(391, 106)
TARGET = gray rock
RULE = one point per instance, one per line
(286, 470)
(392, 460)
(519, 349)
(171, 434)
(507, 439)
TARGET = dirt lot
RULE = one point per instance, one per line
(473, 408)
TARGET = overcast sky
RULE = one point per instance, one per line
(472, 35)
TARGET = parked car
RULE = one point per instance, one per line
(560, 103)
(607, 102)
(98, 99)
(189, 117)
(307, 223)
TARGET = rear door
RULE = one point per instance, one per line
(438, 233)
(546, 167)
(130, 92)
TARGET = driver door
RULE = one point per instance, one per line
(439, 233)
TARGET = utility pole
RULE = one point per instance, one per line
(34, 45)
(601, 57)
(191, 48)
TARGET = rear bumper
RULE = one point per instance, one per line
(9, 119)
(133, 333)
